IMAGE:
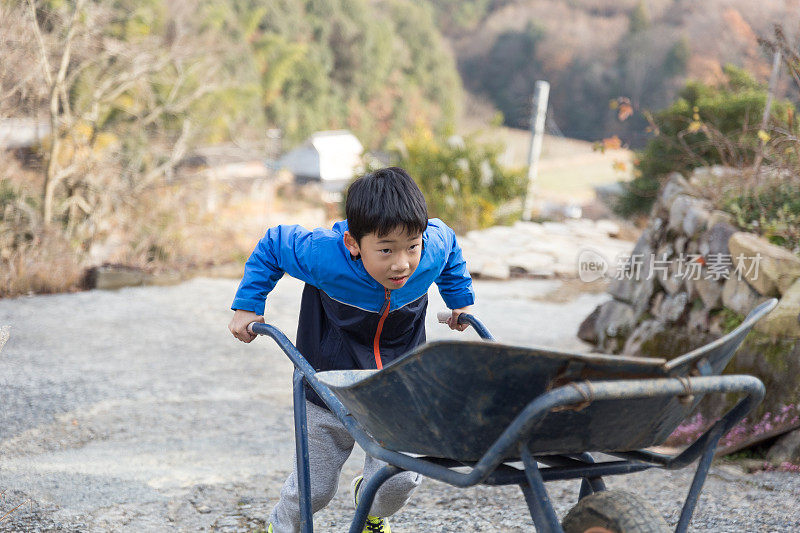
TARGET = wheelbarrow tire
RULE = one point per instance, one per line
(614, 511)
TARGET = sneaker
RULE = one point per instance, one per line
(374, 524)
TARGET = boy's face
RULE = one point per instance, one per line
(391, 258)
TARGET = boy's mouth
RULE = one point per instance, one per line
(399, 280)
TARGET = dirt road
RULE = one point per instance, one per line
(137, 411)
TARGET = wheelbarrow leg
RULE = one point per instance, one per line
(301, 449)
(590, 485)
(367, 496)
(542, 512)
(699, 479)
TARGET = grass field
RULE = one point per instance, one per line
(569, 169)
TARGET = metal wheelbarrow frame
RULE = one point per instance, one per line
(683, 381)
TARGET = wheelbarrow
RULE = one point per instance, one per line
(477, 412)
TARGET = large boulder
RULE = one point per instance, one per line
(716, 216)
(776, 362)
(665, 268)
(587, 331)
(680, 244)
(646, 331)
(715, 240)
(696, 219)
(675, 185)
(784, 320)
(709, 290)
(786, 449)
(688, 215)
(739, 296)
(698, 321)
(636, 285)
(673, 307)
(614, 319)
(672, 282)
(636, 292)
(115, 277)
(497, 270)
(532, 263)
(772, 275)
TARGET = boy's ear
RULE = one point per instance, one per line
(351, 244)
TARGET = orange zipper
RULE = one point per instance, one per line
(376, 345)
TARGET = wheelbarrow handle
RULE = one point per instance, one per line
(470, 320)
(442, 316)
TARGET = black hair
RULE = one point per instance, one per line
(381, 201)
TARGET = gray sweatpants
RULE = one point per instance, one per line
(329, 446)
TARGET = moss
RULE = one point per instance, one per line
(756, 452)
(776, 362)
(776, 354)
(672, 343)
(730, 320)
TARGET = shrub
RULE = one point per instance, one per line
(705, 126)
(771, 209)
(462, 180)
(44, 264)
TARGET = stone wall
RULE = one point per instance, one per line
(696, 277)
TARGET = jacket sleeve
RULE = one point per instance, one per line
(454, 282)
(284, 249)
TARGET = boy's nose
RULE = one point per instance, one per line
(400, 265)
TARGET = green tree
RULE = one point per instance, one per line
(677, 58)
(639, 19)
(374, 68)
(462, 180)
(706, 125)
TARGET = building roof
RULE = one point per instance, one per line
(335, 141)
(22, 132)
(325, 155)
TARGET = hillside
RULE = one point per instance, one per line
(593, 51)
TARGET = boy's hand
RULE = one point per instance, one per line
(453, 320)
(238, 326)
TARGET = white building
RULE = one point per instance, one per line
(329, 157)
(22, 132)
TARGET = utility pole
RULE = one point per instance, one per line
(539, 113)
(773, 81)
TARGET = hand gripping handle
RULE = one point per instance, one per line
(466, 318)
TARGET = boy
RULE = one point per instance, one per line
(363, 306)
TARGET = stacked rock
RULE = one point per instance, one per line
(689, 265)
(696, 277)
(540, 250)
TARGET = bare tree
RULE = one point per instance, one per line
(18, 85)
(58, 103)
(118, 107)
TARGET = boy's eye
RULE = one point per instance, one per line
(414, 247)
(386, 251)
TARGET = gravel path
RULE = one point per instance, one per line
(136, 410)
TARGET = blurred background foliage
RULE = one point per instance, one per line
(462, 180)
(329, 64)
(147, 81)
(706, 125)
(771, 209)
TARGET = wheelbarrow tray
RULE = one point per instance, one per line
(453, 400)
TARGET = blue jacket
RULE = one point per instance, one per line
(347, 319)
